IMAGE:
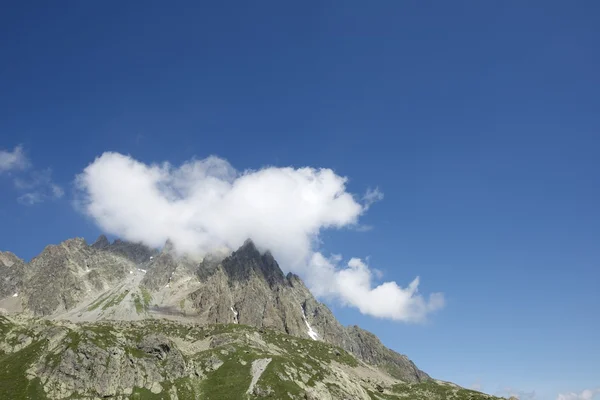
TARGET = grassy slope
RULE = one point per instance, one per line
(232, 377)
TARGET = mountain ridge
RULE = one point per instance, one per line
(74, 282)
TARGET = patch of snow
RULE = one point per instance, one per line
(152, 258)
(313, 335)
(235, 315)
(131, 272)
(143, 270)
(16, 295)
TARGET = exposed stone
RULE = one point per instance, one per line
(126, 280)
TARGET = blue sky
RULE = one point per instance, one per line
(478, 120)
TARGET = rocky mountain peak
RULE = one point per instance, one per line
(9, 259)
(248, 248)
(136, 252)
(294, 280)
(101, 243)
(74, 243)
(248, 260)
(169, 247)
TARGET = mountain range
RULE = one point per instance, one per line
(123, 320)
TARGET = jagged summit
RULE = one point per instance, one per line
(101, 243)
(248, 245)
(169, 246)
(247, 261)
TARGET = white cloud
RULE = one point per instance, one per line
(13, 160)
(207, 204)
(587, 394)
(353, 285)
(372, 196)
(36, 185)
(39, 187)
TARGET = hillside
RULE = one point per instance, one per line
(159, 359)
(123, 321)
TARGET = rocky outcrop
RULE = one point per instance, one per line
(369, 348)
(12, 273)
(63, 275)
(166, 267)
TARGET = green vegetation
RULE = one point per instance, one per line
(308, 350)
(142, 304)
(230, 381)
(139, 306)
(145, 394)
(5, 325)
(115, 300)
(271, 379)
(147, 297)
(13, 377)
(98, 302)
(220, 358)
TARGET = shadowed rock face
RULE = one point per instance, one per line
(247, 262)
(136, 252)
(246, 287)
(101, 243)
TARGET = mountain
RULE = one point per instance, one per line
(121, 320)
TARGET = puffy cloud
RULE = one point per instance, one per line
(206, 204)
(13, 160)
(587, 394)
(353, 285)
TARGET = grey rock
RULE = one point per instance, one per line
(12, 273)
(101, 243)
(255, 287)
(62, 275)
(247, 287)
(139, 253)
